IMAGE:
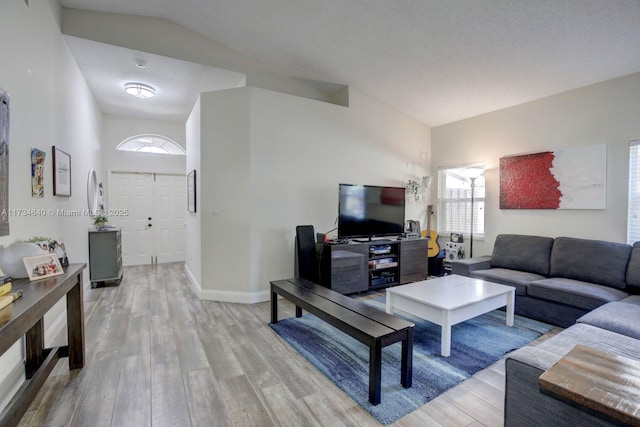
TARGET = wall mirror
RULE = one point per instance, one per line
(92, 192)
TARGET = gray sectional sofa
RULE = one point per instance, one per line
(613, 327)
(558, 280)
(590, 287)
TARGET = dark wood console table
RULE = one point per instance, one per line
(602, 384)
(25, 317)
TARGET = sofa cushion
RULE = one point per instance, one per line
(616, 317)
(504, 276)
(580, 333)
(633, 269)
(632, 299)
(594, 261)
(575, 293)
(520, 252)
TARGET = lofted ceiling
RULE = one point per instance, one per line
(438, 61)
(177, 83)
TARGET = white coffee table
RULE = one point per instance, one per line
(449, 300)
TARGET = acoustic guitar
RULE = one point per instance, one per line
(432, 248)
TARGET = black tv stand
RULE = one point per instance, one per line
(372, 264)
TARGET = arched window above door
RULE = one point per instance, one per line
(150, 143)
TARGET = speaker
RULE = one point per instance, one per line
(453, 251)
(412, 227)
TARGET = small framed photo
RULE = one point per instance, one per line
(191, 191)
(61, 173)
(42, 266)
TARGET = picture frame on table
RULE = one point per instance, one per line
(42, 266)
(191, 191)
(61, 173)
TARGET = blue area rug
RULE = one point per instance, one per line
(475, 344)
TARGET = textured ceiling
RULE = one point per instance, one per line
(436, 60)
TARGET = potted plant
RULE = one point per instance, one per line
(99, 221)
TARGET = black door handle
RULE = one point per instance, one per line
(149, 225)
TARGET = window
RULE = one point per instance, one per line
(633, 216)
(149, 143)
(454, 200)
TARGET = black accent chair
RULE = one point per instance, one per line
(306, 257)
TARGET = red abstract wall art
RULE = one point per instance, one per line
(573, 178)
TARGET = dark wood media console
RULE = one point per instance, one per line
(361, 266)
(25, 317)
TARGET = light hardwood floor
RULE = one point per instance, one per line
(158, 356)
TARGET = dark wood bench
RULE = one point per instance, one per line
(368, 325)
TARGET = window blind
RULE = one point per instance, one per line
(633, 215)
(454, 200)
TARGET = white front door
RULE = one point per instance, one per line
(153, 227)
(169, 217)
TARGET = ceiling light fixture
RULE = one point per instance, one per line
(140, 90)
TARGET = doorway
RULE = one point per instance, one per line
(150, 209)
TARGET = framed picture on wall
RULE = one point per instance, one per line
(61, 172)
(191, 191)
(568, 178)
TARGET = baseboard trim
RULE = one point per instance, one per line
(11, 383)
(232, 296)
(225, 296)
(194, 282)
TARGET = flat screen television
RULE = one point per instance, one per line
(370, 211)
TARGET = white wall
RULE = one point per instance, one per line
(193, 247)
(50, 105)
(274, 161)
(605, 113)
(226, 208)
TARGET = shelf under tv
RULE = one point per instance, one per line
(375, 240)
(382, 286)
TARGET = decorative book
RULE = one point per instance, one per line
(5, 300)
(5, 288)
